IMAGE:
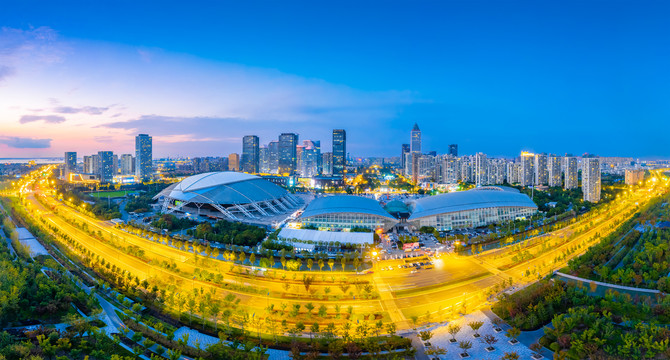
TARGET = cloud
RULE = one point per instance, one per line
(183, 128)
(5, 72)
(51, 119)
(25, 143)
(90, 110)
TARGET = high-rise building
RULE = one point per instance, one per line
(311, 158)
(127, 164)
(481, 169)
(143, 156)
(540, 167)
(106, 166)
(339, 152)
(570, 173)
(288, 157)
(327, 163)
(70, 160)
(512, 172)
(264, 159)
(591, 179)
(403, 157)
(415, 143)
(453, 149)
(554, 169)
(88, 165)
(273, 157)
(250, 154)
(527, 174)
(233, 162)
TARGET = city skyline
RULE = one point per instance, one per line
(546, 90)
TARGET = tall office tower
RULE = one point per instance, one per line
(339, 152)
(570, 172)
(273, 157)
(311, 158)
(414, 165)
(70, 160)
(234, 162)
(467, 168)
(540, 167)
(327, 163)
(115, 162)
(554, 168)
(403, 157)
(250, 154)
(298, 157)
(264, 159)
(288, 156)
(143, 156)
(127, 162)
(415, 146)
(527, 174)
(591, 179)
(453, 149)
(106, 166)
(481, 169)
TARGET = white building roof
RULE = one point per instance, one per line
(342, 237)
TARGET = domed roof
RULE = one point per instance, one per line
(227, 187)
(345, 204)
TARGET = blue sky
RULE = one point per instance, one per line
(492, 76)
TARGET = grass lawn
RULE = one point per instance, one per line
(111, 194)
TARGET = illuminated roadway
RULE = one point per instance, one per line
(439, 291)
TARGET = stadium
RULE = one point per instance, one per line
(230, 195)
(470, 209)
(344, 212)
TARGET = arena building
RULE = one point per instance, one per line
(470, 209)
(344, 212)
(230, 195)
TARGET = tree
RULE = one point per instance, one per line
(322, 310)
(309, 308)
(321, 264)
(513, 333)
(510, 356)
(453, 329)
(536, 348)
(391, 328)
(310, 263)
(475, 325)
(425, 335)
(465, 346)
(331, 263)
(252, 259)
(490, 340)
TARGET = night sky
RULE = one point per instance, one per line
(493, 76)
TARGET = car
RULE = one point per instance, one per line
(413, 271)
(399, 266)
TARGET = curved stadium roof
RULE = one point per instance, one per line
(468, 200)
(227, 187)
(345, 204)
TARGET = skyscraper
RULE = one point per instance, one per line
(415, 144)
(327, 162)
(453, 149)
(339, 152)
(540, 167)
(273, 157)
(264, 159)
(127, 162)
(143, 156)
(481, 169)
(106, 166)
(591, 179)
(311, 158)
(554, 169)
(403, 157)
(570, 172)
(250, 154)
(233, 162)
(70, 163)
(527, 175)
(288, 156)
